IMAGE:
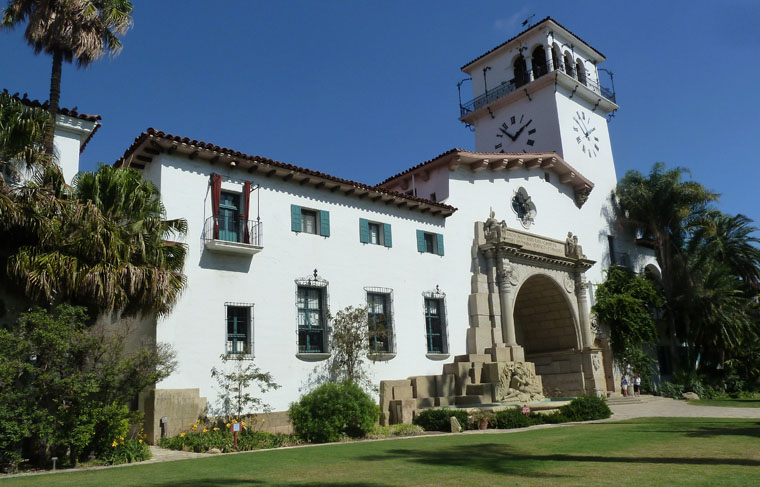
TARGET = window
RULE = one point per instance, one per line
(229, 217)
(306, 220)
(435, 325)
(433, 197)
(311, 320)
(374, 233)
(239, 329)
(430, 243)
(379, 320)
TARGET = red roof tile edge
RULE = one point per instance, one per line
(547, 19)
(151, 132)
(69, 112)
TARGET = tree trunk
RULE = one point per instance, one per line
(55, 97)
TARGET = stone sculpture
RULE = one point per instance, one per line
(494, 230)
(572, 248)
(518, 383)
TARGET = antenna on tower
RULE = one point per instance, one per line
(527, 21)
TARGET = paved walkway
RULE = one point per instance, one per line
(652, 406)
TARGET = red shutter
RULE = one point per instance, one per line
(246, 206)
(216, 193)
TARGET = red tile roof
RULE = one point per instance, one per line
(69, 112)
(151, 132)
(547, 19)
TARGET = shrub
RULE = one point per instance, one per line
(333, 410)
(395, 430)
(204, 437)
(514, 418)
(440, 419)
(127, 451)
(586, 408)
(668, 389)
(555, 417)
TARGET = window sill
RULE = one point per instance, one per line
(312, 357)
(437, 356)
(381, 357)
(238, 248)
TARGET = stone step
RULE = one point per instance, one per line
(473, 400)
(483, 389)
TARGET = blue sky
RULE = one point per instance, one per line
(363, 90)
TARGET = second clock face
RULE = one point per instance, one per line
(517, 133)
(585, 134)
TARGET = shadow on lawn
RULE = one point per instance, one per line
(233, 482)
(504, 459)
(705, 429)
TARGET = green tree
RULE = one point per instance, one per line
(665, 208)
(65, 385)
(107, 245)
(235, 380)
(19, 124)
(626, 302)
(68, 30)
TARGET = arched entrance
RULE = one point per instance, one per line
(546, 327)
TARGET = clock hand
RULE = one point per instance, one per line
(522, 128)
(589, 132)
(504, 131)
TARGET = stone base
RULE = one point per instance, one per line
(180, 407)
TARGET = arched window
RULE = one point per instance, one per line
(521, 72)
(539, 62)
(581, 71)
(569, 65)
(557, 57)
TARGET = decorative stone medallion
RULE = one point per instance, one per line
(569, 283)
(524, 208)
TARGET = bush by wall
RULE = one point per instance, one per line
(333, 410)
(515, 418)
(586, 408)
(204, 437)
(440, 419)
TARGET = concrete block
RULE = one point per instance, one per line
(425, 402)
(445, 385)
(518, 354)
(479, 283)
(424, 386)
(445, 401)
(477, 304)
(500, 354)
(478, 339)
(480, 321)
(403, 392)
(475, 371)
(180, 406)
(479, 390)
(461, 372)
(473, 357)
(473, 400)
(402, 412)
(490, 372)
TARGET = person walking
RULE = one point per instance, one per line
(637, 385)
(624, 385)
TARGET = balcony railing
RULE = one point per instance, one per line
(621, 259)
(229, 234)
(507, 87)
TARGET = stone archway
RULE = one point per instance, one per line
(547, 329)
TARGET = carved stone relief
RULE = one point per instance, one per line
(518, 383)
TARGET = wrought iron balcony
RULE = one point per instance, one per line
(507, 87)
(232, 235)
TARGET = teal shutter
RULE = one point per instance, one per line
(420, 241)
(363, 230)
(324, 223)
(295, 218)
(388, 242)
(440, 243)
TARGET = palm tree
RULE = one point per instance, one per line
(107, 246)
(666, 208)
(19, 124)
(68, 30)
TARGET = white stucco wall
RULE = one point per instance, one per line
(196, 328)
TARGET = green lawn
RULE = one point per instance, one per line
(659, 451)
(727, 403)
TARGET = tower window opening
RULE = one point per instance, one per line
(581, 71)
(521, 72)
(539, 62)
(569, 65)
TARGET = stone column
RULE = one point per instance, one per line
(529, 67)
(549, 58)
(581, 293)
(507, 308)
(494, 302)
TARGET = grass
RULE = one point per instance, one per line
(727, 403)
(651, 451)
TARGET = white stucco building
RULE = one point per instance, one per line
(273, 246)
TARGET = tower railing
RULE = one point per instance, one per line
(520, 79)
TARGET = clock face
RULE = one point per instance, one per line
(585, 134)
(517, 133)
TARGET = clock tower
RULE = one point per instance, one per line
(540, 92)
